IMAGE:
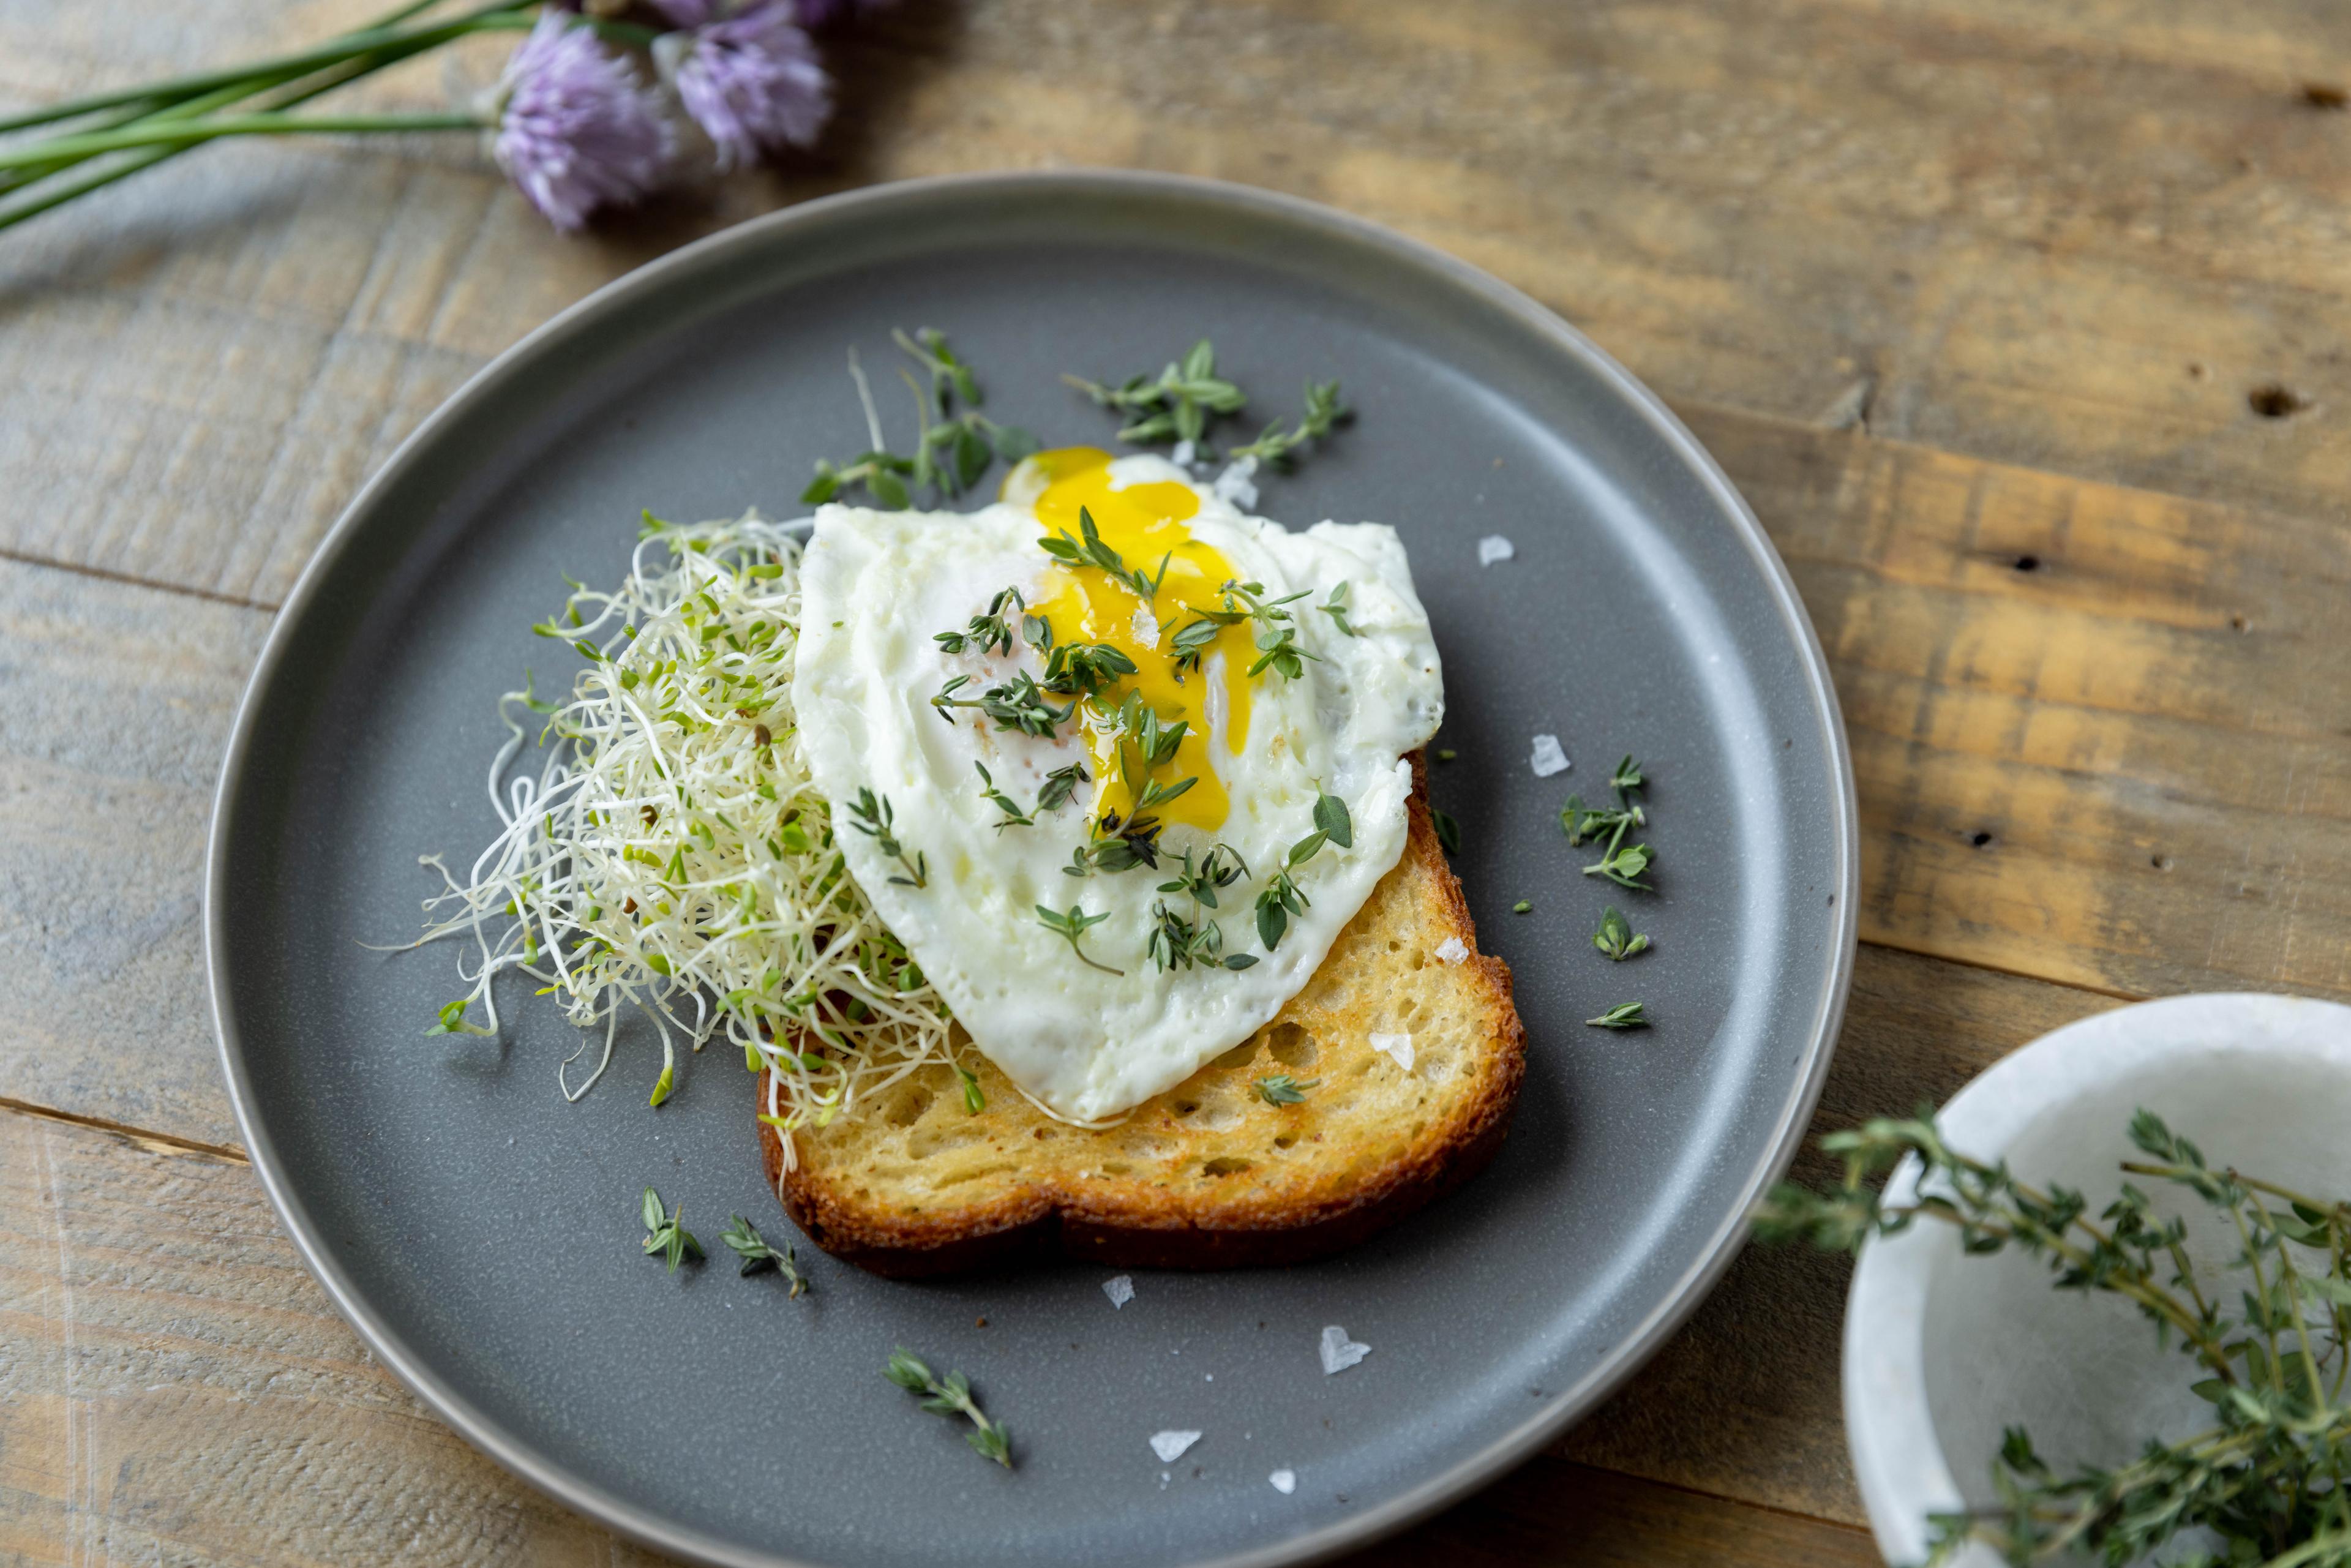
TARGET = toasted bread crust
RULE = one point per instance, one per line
(1151, 1222)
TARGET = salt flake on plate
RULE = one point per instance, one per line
(1170, 1446)
(1339, 1353)
(1145, 626)
(1120, 1290)
(1396, 1045)
(1494, 548)
(1283, 1482)
(1548, 759)
(1453, 950)
(1233, 487)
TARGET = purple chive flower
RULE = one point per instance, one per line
(578, 129)
(749, 78)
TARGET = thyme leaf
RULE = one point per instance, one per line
(1072, 924)
(759, 1257)
(1335, 607)
(871, 815)
(1279, 446)
(1014, 817)
(1615, 937)
(951, 1396)
(1281, 1089)
(1177, 406)
(665, 1231)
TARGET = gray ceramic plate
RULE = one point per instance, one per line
(481, 1233)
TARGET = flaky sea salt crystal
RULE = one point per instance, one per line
(1549, 757)
(1396, 1045)
(1120, 1290)
(1233, 487)
(1453, 950)
(1339, 1353)
(1145, 626)
(1283, 1482)
(1170, 1446)
(1183, 455)
(1494, 548)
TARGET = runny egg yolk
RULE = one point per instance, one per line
(1085, 603)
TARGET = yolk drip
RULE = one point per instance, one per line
(1086, 604)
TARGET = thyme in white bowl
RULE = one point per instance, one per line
(2269, 1476)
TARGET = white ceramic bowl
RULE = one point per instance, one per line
(1942, 1351)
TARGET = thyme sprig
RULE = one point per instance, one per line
(1118, 843)
(1017, 703)
(951, 1397)
(1282, 896)
(1177, 942)
(2267, 1476)
(1335, 607)
(950, 377)
(1281, 1089)
(1014, 817)
(1589, 824)
(1176, 406)
(951, 451)
(1082, 669)
(1221, 867)
(759, 1256)
(1623, 1015)
(1059, 785)
(1072, 924)
(1278, 446)
(1615, 937)
(1624, 867)
(871, 815)
(989, 630)
(1276, 631)
(883, 474)
(1088, 550)
(1622, 864)
(665, 1231)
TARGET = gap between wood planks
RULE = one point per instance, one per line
(146, 1138)
(211, 596)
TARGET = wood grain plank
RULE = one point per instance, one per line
(2100, 735)
(2071, 236)
(115, 704)
(146, 1294)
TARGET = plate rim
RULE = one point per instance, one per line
(519, 1456)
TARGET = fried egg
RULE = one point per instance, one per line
(1159, 635)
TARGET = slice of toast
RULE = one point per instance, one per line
(1209, 1175)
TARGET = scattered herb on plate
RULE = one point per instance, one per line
(1615, 937)
(665, 1231)
(1623, 1015)
(759, 1257)
(951, 1397)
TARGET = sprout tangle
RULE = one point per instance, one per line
(672, 853)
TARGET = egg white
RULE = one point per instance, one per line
(876, 588)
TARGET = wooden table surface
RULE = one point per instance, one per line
(2020, 322)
